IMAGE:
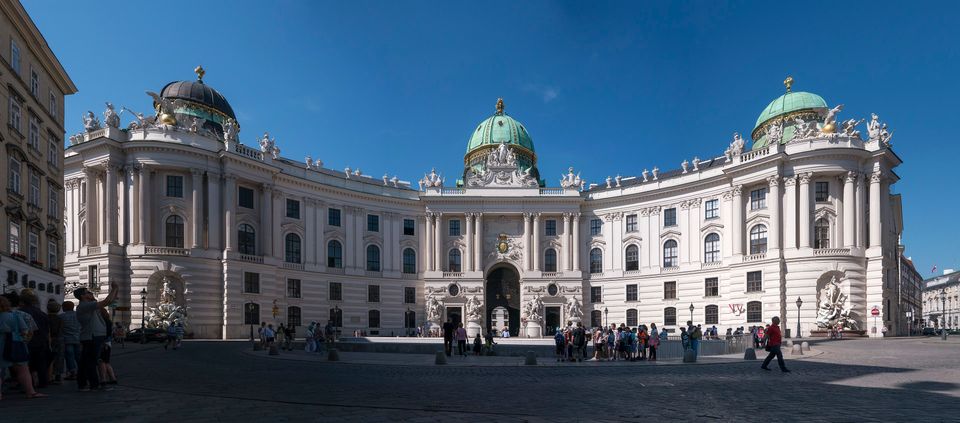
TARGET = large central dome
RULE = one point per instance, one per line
(785, 110)
(494, 131)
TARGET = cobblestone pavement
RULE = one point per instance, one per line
(853, 380)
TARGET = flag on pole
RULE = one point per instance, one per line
(934, 270)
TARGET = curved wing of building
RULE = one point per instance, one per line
(796, 224)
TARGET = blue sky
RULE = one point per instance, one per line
(607, 87)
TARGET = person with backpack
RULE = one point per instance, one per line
(695, 338)
(684, 338)
(611, 344)
(654, 341)
(93, 334)
(560, 344)
(579, 341)
(642, 338)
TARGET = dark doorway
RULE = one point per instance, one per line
(553, 320)
(503, 290)
(454, 314)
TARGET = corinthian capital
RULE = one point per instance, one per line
(805, 178)
(851, 176)
(774, 180)
(790, 181)
(876, 177)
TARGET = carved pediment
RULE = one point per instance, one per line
(632, 236)
(757, 218)
(501, 170)
(711, 227)
(669, 233)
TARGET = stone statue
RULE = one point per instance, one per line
(684, 164)
(230, 130)
(656, 172)
(531, 309)
(434, 309)
(775, 132)
(617, 179)
(76, 139)
(196, 124)
(432, 180)
(474, 309)
(309, 162)
(830, 121)
(850, 128)
(570, 180)
(645, 174)
(394, 180)
(873, 128)
(609, 179)
(110, 116)
(269, 145)
(574, 308)
(736, 146)
(696, 164)
(803, 129)
(885, 135)
(90, 122)
(386, 180)
(831, 308)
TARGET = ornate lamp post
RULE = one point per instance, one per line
(606, 316)
(250, 308)
(691, 312)
(943, 313)
(143, 316)
(799, 303)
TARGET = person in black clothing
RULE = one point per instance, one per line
(448, 330)
(39, 344)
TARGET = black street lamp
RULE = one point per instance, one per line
(799, 303)
(250, 308)
(606, 316)
(691, 313)
(143, 316)
(943, 313)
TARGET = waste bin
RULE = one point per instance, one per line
(788, 333)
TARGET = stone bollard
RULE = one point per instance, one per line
(789, 343)
(441, 358)
(689, 356)
(274, 350)
(531, 359)
(749, 354)
(333, 355)
(797, 350)
(805, 346)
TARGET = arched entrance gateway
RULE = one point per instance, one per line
(503, 299)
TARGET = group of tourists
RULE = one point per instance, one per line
(609, 344)
(40, 348)
(317, 336)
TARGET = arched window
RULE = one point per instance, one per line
(550, 260)
(453, 260)
(632, 258)
(251, 314)
(711, 248)
(670, 254)
(292, 248)
(754, 312)
(293, 316)
(409, 261)
(247, 240)
(670, 316)
(373, 318)
(334, 254)
(175, 231)
(596, 318)
(596, 260)
(712, 315)
(373, 258)
(758, 239)
(821, 233)
(631, 317)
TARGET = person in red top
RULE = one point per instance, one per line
(773, 338)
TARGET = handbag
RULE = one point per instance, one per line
(15, 351)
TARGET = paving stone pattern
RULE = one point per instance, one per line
(849, 381)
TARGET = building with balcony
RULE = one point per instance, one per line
(941, 300)
(243, 235)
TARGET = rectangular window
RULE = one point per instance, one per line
(670, 290)
(15, 56)
(14, 115)
(293, 208)
(174, 186)
(53, 152)
(550, 227)
(711, 287)
(53, 202)
(245, 197)
(596, 294)
(333, 217)
(14, 237)
(712, 315)
(822, 191)
(454, 227)
(632, 292)
(632, 223)
(711, 209)
(409, 295)
(409, 227)
(33, 134)
(293, 288)
(34, 188)
(373, 293)
(336, 291)
(53, 260)
(34, 82)
(293, 317)
(754, 312)
(670, 217)
(373, 223)
(93, 277)
(14, 177)
(754, 281)
(758, 199)
(596, 227)
(251, 283)
(52, 104)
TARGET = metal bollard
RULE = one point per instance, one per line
(531, 359)
(749, 354)
(441, 358)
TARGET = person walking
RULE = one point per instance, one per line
(773, 340)
(39, 342)
(93, 334)
(107, 375)
(654, 341)
(71, 339)
(14, 329)
(329, 334)
(449, 330)
(477, 344)
(461, 335)
(56, 342)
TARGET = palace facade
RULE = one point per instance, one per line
(241, 234)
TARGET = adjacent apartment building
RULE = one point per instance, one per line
(31, 149)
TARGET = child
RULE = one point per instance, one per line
(477, 345)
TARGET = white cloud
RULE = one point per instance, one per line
(546, 92)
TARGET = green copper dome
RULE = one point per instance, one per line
(790, 102)
(500, 129)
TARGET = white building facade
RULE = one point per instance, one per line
(243, 235)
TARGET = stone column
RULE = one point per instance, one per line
(468, 256)
(266, 226)
(213, 211)
(320, 249)
(737, 220)
(478, 241)
(309, 225)
(275, 217)
(230, 212)
(90, 175)
(875, 212)
(861, 207)
(196, 218)
(438, 240)
(428, 237)
(564, 255)
(136, 206)
(694, 238)
(685, 236)
(528, 243)
(110, 204)
(536, 241)
(576, 242)
(849, 210)
(790, 213)
(773, 236)
(146, 204)
(803, 217)
(608, 230)
(644, 223)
